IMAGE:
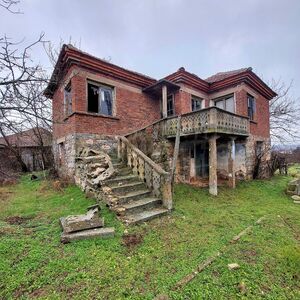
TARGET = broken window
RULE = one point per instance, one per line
(226, 103)
(100, 99)
(196, 103)
(68, 100)
(170, 106)
(251, 107)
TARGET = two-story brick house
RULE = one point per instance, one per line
(224, 119)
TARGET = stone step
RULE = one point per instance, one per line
(145, 215)
(123, 171)
(132, 196)
(142, 204)
(118, 165)
(87, 234)
(119, 189)
(123, 179)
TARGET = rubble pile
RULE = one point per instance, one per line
(92, 168)
(84, 226)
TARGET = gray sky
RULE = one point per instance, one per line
(156, 37)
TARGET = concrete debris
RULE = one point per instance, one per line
(296, 198)
(84, 226)
(91, 169)
(293, 187)
(81, 222)
(233, 266)
(87, 234)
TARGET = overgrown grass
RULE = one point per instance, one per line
(34, 264)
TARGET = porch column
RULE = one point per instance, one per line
(231, 162)
(164, 101)
(213, 180)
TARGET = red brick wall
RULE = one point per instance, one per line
(183, 102)
(61, 126)
(133, 108)
(260, 126)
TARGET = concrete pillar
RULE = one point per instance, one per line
(213, 180)
(164, 101)
(231, 162)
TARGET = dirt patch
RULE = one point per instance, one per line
(59, 185)
(130, 241)
(17, 220)
(5, 195)
(41, 292)
(7, 231)
(249, 255)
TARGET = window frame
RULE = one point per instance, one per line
(68, 109)
(225, 98)
(253, 107)
(196, 98)
(173, 101)
(104, 86)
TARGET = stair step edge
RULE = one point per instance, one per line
(141, 202)
(145, 215)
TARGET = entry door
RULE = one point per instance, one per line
(201, 160)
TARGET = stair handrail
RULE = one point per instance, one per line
(155, 177)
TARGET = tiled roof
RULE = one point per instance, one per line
(223, 75)
(28, 138)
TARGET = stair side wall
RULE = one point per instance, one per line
(66, 149)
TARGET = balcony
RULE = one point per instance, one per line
(208, 120)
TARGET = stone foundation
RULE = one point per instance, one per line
(67, 149)
(253, 144)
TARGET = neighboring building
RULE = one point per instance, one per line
(33, 147)
(225, 120)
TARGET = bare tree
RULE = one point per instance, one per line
(10, 6)
(284, 113)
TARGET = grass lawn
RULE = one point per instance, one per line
(34, 264)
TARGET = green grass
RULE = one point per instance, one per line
(34, 264)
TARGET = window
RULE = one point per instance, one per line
(196, 103)
(226, 103)
(251, 107)
(170, 106)
(100, 99)
(68, 100)
(259, 149)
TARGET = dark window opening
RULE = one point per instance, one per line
(68, 100)
(192, 151)
(196, 103)
(170, 106)
(100, 99)
(251, 107)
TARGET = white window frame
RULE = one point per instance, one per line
(224, 98)
(193, 97)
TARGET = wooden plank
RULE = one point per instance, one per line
(176, 149)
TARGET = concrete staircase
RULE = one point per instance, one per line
(134, 201)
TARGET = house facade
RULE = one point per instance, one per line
(221, 123)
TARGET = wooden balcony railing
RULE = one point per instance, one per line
(208, 120)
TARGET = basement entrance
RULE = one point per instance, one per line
(201, 159)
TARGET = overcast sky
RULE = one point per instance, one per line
(156, 37)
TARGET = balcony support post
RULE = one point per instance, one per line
(164, 101)
(213, 180)
(231, 162)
